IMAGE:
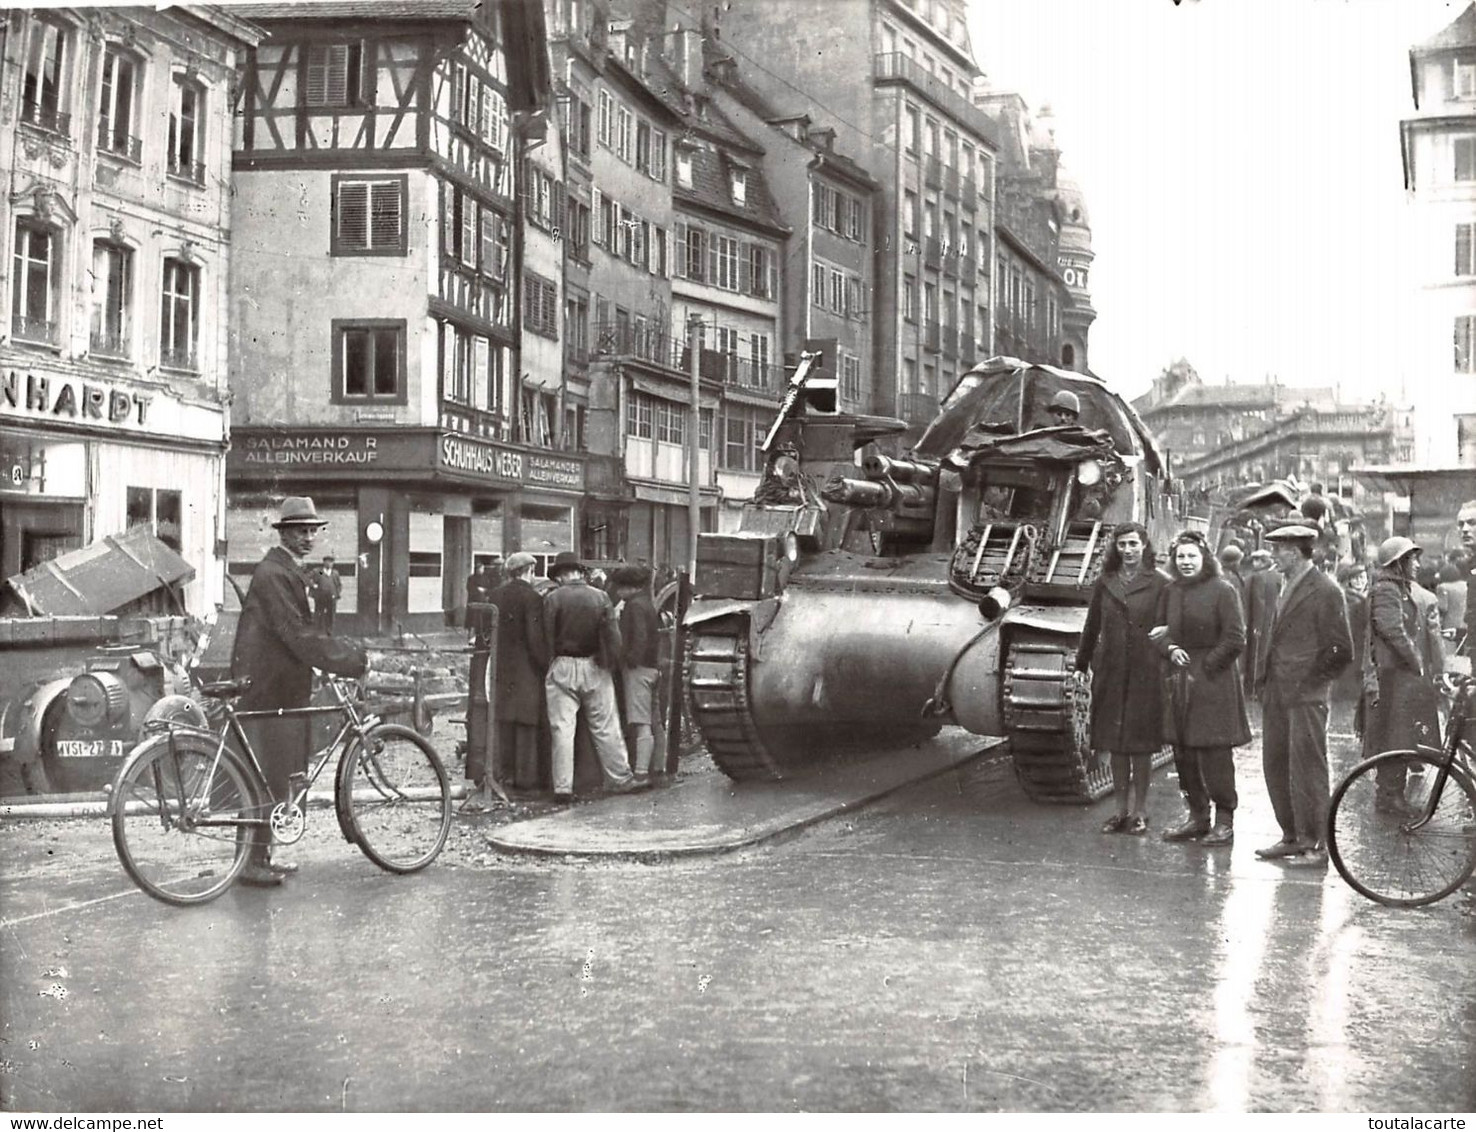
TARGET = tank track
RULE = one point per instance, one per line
(1048, 718)
(717, 693)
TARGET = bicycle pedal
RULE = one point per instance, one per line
(288, 823)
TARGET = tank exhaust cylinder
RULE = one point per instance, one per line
(993, 604)
(879, 467)
(871, 494)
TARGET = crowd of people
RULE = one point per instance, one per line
(1175, 651)
(559, 656)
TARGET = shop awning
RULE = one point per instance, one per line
(673, 496)
(101, 578)
(674, 393)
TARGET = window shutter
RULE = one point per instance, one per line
(679, 265)
(353, 215)
(1463, 265)
(384, 215)
(317, 76)
(448, 219)
(745, 268)
(712, 261)
(337, 74)
(596, 220)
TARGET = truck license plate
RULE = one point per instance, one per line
(89, 748)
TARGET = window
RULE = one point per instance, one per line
(607, 119)
(760, 271)
(930, 220)
(853, 296)
(579, 126)
(658, 155)
(743, 432)
(817, 285)
(639, 416)
(495, 122)
(854, 229)
(368, 216)
(44, 87)
(684, 168)
(34, 284)
(1465, 159)
(671, 422)
(179, 323)
(850, 378)
(643, 146)
(837, 292)
(1465, 249)
(577, 230)
(334, 75)
(723, 260)
(1463, 81)
(930, 302)
(695, 258)
(541, 199)
(115, 115)
(909, 213)
(911, 129)
(624, 135)
(187, 131)
(112, 299)
(159, 510)
(495, 236)
(540, 305)
(1465, 343)
(369, 361)
(738, 186)
(909, 298)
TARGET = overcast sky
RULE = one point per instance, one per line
(1240, 160)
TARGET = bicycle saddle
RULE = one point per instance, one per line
(225, 689)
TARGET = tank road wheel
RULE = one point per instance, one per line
(716, 685)
(1048, 716)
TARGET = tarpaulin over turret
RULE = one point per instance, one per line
(1006, 397)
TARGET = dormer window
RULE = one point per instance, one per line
(684, 168)
(738, 185)
(1463, 84)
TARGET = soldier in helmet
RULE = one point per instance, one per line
(1064, 408)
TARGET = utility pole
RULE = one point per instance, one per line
(694, 469)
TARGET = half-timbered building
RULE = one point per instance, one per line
(116, 214)
(378, 299)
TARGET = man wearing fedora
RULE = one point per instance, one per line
(1307, 647)
(584, 645)
(278, 644)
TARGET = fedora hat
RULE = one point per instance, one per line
(564, 561)
(299, 511)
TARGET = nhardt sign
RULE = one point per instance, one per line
(68, 399)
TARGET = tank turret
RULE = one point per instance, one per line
(947, 585)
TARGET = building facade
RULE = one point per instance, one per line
(1439, 150)
(115, 130)
(377, 314)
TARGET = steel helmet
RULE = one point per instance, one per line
(175, 709)
(1066, 400)
(1391, 550)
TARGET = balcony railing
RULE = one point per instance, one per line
(46, 118)
(118, 144)
(621, 339)
(178, 357)
(917, 408)
(897, 67)
(950, 260)
(191, 171)
(933, 172)
(40, 330)
(575, 354)
(110, 345)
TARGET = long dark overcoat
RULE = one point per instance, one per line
(1309, 643)
(522, 652)
(1400, 711)
(1262, 587)
(1127, 679)
(1204, 618)
(277, 646)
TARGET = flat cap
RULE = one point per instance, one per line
(1291, 533)
(519, 560)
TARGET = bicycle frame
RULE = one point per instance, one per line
(1454, 750)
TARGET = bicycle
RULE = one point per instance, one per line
(189, 802)
(1427, 850)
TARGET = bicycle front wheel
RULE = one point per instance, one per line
(183, 823)
(1399, 859)
(397, 797)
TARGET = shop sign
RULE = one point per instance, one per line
(14, 471)
(464, 455)
(67, 399)
(308, 450)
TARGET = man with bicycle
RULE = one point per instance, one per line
(278, 644)
(1466, 527)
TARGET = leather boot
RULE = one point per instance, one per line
(1195, 826)
(1224, 830)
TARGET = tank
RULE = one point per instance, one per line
(868, 599)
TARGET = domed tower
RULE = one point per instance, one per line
(1074, 261)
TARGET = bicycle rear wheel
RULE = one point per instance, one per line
(397, 797)
(1398, 860)
(165, 808)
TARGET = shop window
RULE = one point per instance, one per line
(369, 361)
(369, 216)
(34, 283)
(179, 324)
(44, 87)
(186, 156)
(159, 510)
(117, 130)
(112, 299)
(546, 530)
(639, 417)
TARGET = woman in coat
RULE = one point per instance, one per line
(1201, 630)
(1400, 711)
(1127, 687)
